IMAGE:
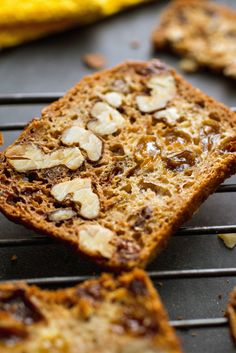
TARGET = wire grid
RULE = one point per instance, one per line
(38, 98)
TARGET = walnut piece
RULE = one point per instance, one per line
(28, 157)
(96, 240)
(228, 239)
(108, 120)
(163, 89)
(79, 191)
(114, 99)
(86, 140)
(169, 114)
(61, 215)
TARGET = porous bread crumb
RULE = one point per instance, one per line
(94, 61)
(202, 32)
(152, 174)
(106, 315)
(228, 239)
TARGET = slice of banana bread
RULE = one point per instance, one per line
(119, 163)
(231, 313)
(201, 31)
(104, 315)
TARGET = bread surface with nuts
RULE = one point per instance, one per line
(231, 313)
(203, 32)
(107, 315)
(119, 163)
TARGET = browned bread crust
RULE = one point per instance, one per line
(166, 148)
(231, 313)
(103, 315)
(203, 32)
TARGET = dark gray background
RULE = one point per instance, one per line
(53, 65)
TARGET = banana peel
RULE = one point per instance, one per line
(21, 21)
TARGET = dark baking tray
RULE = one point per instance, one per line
(46, 68)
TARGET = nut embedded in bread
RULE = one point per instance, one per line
(203, 32)
(119, 163)
(103, 315)
(231, 313)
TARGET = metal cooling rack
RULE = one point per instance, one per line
(38, 98)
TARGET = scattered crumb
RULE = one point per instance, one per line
(135, 44)
(180, 318)
(188, 65)
(14, 258)
(1, 139)
(193, 334)
(94, 61)
(228, 239)
(220, 296)
(160, 284)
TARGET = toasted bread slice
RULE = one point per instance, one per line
(231, 313)
(103, 315)
(203, 32)
(119, 163)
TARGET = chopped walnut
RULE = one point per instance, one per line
(28, 157)
(62, 214)
(108, 120)
(86, 140)
(114, 99)
(163, 89)
(79, 191)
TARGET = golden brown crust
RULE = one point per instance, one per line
(144, 199)
(103, 315)
(1, 138)
(202, 32)
(231, 313)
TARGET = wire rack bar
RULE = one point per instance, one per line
(226, 188)
(35, 240)
(154, 275)
(29, 98)
(13, 126)
(207, 230)
(184, 231)
(199, 323)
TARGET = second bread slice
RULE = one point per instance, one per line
(119, 163)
